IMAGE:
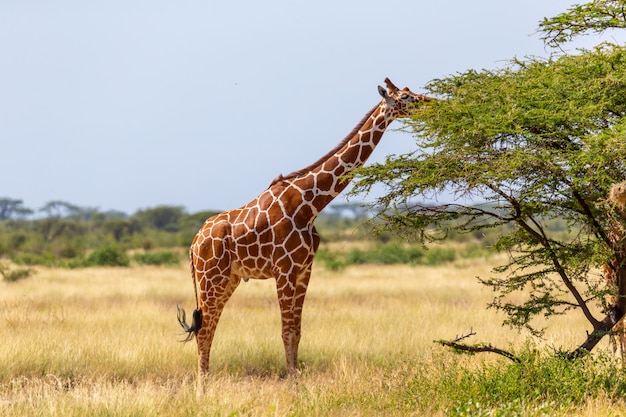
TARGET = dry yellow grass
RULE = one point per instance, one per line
(104, 342)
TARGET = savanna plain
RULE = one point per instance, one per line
(105, 342)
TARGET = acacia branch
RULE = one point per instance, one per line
(545, 242)
(598, 230)
(477, 348)
(592, 17)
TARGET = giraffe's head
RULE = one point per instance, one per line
(398, 102)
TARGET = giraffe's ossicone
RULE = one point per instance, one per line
(273, 236)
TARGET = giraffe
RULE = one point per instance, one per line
(613, 267)
(273, 236)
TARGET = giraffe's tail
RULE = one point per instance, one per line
(196, 322)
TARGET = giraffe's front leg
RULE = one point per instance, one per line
(291, 293)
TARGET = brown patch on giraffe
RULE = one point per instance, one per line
(262, 222)
(253, 251)
(282, 229)
(292, 199)
(308, 196)
(279, 252)
(266, 250)
(266, 236)
(287, 290)
(351, 154)
(301, 255)
(244, 251)
(330, 166)
(617, 195)
(340, 170)
(293, 241)
(250, 217)
(275, 213)
(303, 214)
(260, 263)
(267, 198)
(204, 252)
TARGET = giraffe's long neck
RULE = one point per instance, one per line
(323, 181)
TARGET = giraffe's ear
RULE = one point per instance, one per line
(383, 92)
(385, 95)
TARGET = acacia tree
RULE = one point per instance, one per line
(10, 208)
(537, 140)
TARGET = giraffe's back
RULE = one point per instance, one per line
(271, 235)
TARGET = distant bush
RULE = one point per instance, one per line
(475, 250)
(12, 275)
(70, 251)
(387, 254)
(107, 256)
(438, 256)
(157, 258)
(46, 259)
(330, 260)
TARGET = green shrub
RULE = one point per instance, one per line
(146, 244)
(26, 258)
(541, 384)
(388, 254)
(12, 275)
(17, 240)
(438, 256)
(157, 258)
(330, 260)
(475, 250)
(107, 256)
(357, 257)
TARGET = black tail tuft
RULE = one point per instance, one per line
(196, 322)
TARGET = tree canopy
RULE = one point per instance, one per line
(518, 146)
(595, 17)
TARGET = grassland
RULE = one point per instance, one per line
(104, 342)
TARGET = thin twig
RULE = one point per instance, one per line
(476, 348)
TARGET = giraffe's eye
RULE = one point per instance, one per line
(404, 96)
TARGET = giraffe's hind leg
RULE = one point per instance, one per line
(213, 297)
(212, 262)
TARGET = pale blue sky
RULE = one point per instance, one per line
(132, 104)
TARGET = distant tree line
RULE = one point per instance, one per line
(60, 233)
(63, 234)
